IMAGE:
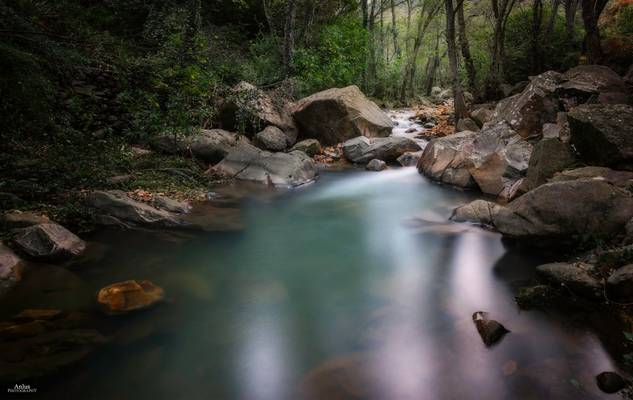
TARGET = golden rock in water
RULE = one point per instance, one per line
(123, 297)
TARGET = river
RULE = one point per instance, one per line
(353, 287)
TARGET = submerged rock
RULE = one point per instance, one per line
(362, 150)
(50, 242)
(376, 165)
(610, 382)
(249, 163)
(117, 208)
(311, 147)
(124, 297)
(491, 331)
(577, 277)
(10, 269)
(335, 115)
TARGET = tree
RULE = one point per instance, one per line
(500, 11)
(458, 95)
(591, 10)
(571, 7)
(535, 48)
(471, 72)
(289, 37)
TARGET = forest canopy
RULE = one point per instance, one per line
(163, 64)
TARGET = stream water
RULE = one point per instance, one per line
(354, 287)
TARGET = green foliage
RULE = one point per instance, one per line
(263, 64)
(556, 53)
(337, 59)
(624, 20)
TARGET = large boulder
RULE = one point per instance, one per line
(251, 109)
(536, 105)
(115, 207)
(623, 179)
(552, 92)
(548, 157)
(603, 134)
(132, 295)
(578, 277)
(271, 138)
(49, 242)
(481, 115)
(620, 285)
(466, 124)
(10, 269)
(564, 211)
(247, 162)
(444, 160)
(493, 159)
(361, 149)
(16, 219)
(595, 81)
(335, 115)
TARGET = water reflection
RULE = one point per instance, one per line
(332, 292)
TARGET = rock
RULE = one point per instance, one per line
(118, 179)
(445, 160)
(621, 179)
(10, 269)
(116, 207)
(564, 211)
(214, 144)
(127, 296)
(480, 211)
(249, 163)
(311, 147)
(50, 242)
(620, 285)
(493, 159)
(335, 115)
(169, 143)
(491, 331)
(410, 159)
(628, 78)
(271, 138)
(251, 106)
(376, 165)
(548, 157)
(435, 91)
(577, 277)
(599, 81)
(602, 134)
(466, 124)
(361, 149)
(536, 105)
(481, 115)
(610, 382)
(551, 131)
(536, 296)
(169, 204)
(21, 219)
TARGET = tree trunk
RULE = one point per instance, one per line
(535, 51)
(591, 10)
(552, 21)
(501, 12)
(465, 48)
(571, 6)
(394, 30)
(458, 95)
(289, 37)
